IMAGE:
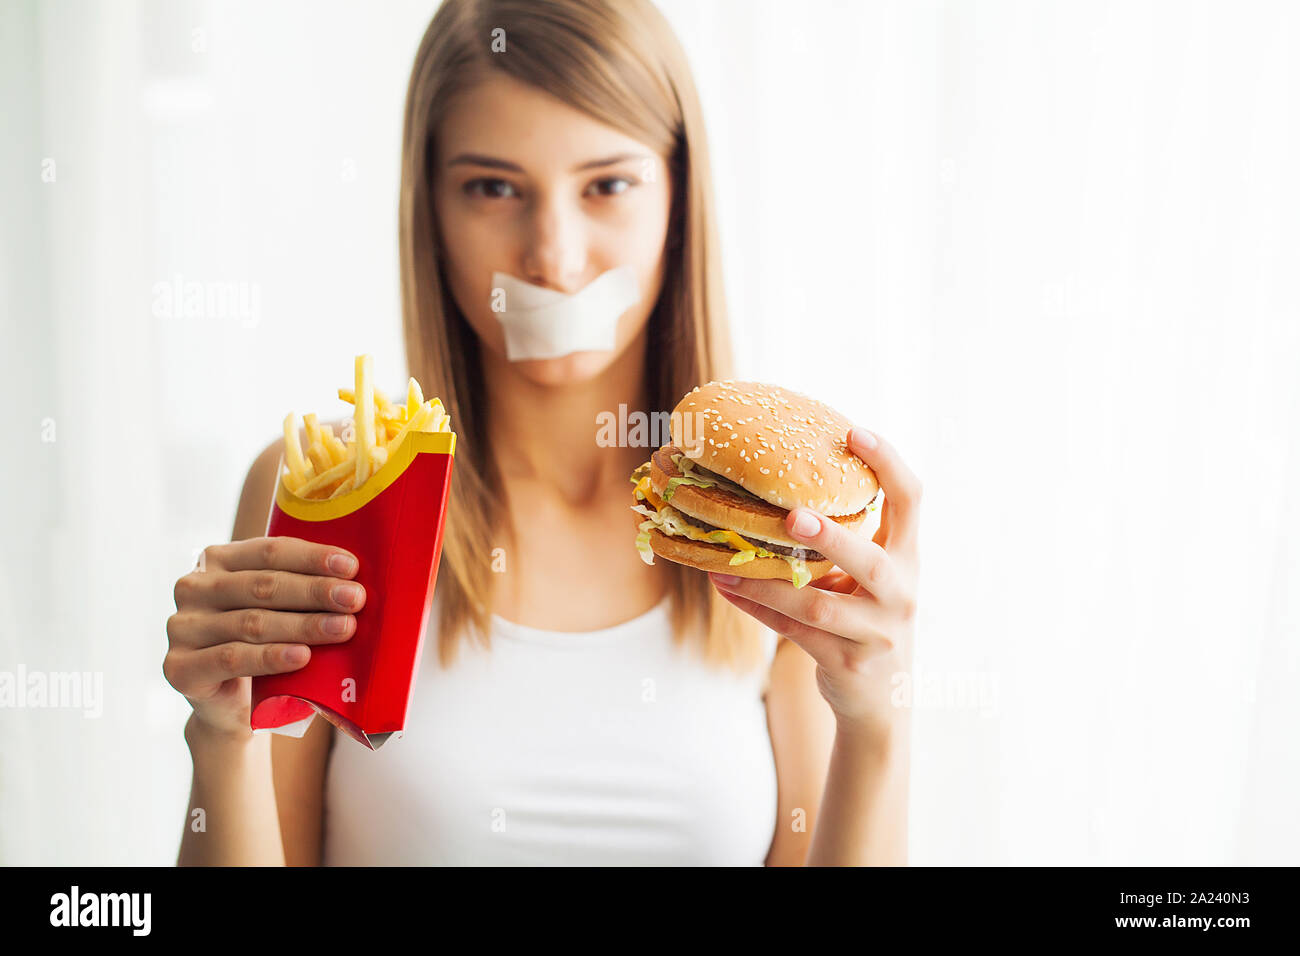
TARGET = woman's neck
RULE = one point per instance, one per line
(545, 437)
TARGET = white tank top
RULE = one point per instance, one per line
(594, 748)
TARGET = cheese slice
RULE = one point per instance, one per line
(684, 528)
(671, 521)
(643, 488)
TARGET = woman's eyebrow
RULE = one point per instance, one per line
(478, 159)
(492, 162)
(608, 161)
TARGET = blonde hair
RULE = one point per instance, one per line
(620, 63)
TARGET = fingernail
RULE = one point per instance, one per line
(342, 564)
(335, 624)
(726, 580)
(346, 595)
(862, 438)
(805, 525)
(296, 654)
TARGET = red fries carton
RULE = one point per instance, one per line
(393, 524)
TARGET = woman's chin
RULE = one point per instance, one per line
(572, 369)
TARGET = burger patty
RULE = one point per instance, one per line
(802, 553)
(663, 458)
(751, 503)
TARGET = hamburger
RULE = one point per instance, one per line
(742, 456)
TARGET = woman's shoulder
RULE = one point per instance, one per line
(258, 490)
(259, 484)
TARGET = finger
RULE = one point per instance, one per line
(283, 554)
(195, 629)
(864, 560)
(902, 487)
(835, 580)
(279, 590)
(820, 645)
(199, 674)
(851, 618)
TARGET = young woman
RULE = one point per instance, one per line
(582, 707)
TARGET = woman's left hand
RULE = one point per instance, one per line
(857, 620)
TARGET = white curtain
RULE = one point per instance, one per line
(1048, 249)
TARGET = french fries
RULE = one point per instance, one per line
(414, 399)
(293, 451)
(330, 466)
(364, 417)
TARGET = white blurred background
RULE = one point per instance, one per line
(1050, 250)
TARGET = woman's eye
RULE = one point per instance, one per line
(611, 186)
(490, 188)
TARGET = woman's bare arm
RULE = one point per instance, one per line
(802, 728)
(863, 820)
(842, 798)
(298, 772)
(260, 796)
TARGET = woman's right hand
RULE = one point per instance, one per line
(254, 607)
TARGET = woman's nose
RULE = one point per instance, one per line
(556, 254)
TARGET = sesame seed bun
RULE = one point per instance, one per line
(782, 446)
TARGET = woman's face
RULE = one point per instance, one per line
(527, 185)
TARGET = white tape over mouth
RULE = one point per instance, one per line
(543, 323)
